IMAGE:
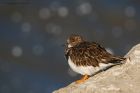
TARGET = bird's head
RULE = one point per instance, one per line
(74, 40)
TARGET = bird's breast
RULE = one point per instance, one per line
(89, 70)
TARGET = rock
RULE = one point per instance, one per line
(118, 79)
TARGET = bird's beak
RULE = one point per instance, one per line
(63, 45)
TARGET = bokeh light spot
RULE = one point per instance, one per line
(53, 29)
(130, 11)
(44, 13)
(62, 11)
(17, 51)
(84, 8)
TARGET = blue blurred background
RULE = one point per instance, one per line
(32, 33)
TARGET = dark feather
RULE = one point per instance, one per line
(67, 52)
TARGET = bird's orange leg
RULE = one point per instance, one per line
(85, 77)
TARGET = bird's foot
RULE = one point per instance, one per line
(83, 79)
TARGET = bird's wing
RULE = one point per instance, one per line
(89, 54)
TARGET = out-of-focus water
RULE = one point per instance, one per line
(32, 34)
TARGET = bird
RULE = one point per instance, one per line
(87, 58)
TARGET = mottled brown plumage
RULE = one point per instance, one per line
(87, 58)
(88, 53)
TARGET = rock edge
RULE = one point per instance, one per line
(119, 79)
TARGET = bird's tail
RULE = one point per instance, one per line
(117, 60)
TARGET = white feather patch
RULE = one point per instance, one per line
(69, 45)
(89, 70)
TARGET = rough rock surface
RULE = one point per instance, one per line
(119, 79)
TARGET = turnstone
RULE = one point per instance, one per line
(87, 58)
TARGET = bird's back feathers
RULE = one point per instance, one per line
(90, 53)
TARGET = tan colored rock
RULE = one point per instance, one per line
(119, 79)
